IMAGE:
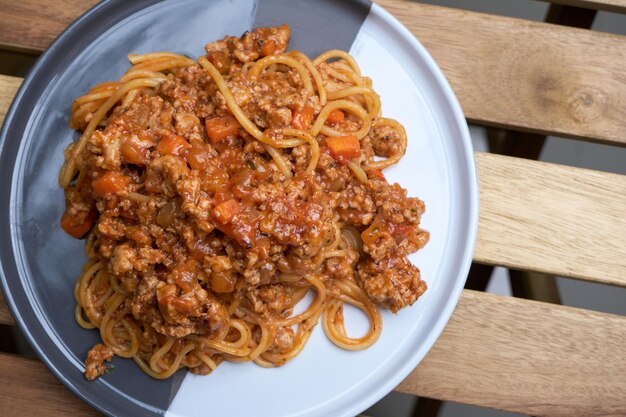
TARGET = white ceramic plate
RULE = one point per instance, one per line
(39, 263)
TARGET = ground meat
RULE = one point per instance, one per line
(250, 46)
(356, 206)
(385, 141)
(342, 267)
(192, 216)
(283, 341)
(194, 312)
(392, 282)
(94, 365)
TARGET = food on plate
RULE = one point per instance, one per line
(215, 194)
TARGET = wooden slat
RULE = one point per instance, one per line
(8, 88)
(499, 352)
(31, 25)
(506, 72)
(526, 75)
(5, 314)
(528, 357)
(29, 389)
(617, 6)
(551, 218)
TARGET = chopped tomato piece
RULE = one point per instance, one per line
(400, 231)
(335, 116)
(111, 182)
(133, 151)
(185, 276)
(223, 281)
(302, 118)
(213, 179)
(220, 61)
(198, 157)
(172, 144)
(224, 212)
(344, 148)
(77, 226)
(242, 232)
(376, 174)
(221, 128)
(268, 48)
(222, 194)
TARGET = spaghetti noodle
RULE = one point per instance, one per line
(215, 195)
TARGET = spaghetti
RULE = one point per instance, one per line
(216, 195)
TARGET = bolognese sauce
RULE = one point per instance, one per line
(214, 195)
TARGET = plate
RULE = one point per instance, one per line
(39, 263)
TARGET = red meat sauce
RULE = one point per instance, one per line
(186, 214)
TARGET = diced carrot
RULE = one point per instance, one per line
(335, 116)
(221, 128)
(376, 174)
(224, 212)
(172, 144)
(374, 232)
(268, 48)
(344, 148)
(77, 226)
(302, 118)
(111, 182)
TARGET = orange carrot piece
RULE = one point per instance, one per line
(344, 148)
(302, 118)
(376, 174)
(112, 182)
(77, 226)
(268, 48)
(221, 128)
(335, 116)
(224, 212)
(172, 144)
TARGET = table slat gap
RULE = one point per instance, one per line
(615, 6)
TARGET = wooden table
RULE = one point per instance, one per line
(508, 353)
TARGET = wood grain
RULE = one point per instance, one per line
(526, 75)
(617, 6)
(527, 357)
(8, 88)
(5, 314)
(500, 352)
(32, 25)
(506, 72)
(29, 389)
(551, 218)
